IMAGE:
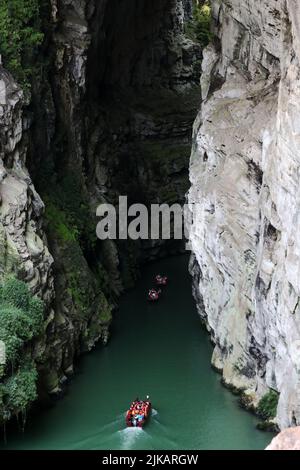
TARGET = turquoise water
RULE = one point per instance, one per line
(156, 349)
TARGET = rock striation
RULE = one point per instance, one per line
(244, 174)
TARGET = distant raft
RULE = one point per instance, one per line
(138, 413)
(161, 280)
(153, 295)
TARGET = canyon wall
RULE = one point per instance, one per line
(245, 178)
(110, 113)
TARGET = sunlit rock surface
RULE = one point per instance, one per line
(244, 174)
(288, 439)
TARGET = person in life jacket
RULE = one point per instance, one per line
(153, 294)
(161, 280)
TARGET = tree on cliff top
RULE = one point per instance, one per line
(199, 28)
(20, 36)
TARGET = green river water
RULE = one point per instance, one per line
(156, 349)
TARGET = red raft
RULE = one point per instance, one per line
(161, 280)
(153, 295)
(139, 413)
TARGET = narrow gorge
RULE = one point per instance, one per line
(110, 112)
(101, 103)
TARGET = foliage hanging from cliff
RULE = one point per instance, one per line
(20, 390)
(68, 212)
(21, 319)
(267, 407)
(199, 28)
(20, 37)
(21, 316)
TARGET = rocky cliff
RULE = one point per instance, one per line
(111, 113)
(244, 173)
(288, 439)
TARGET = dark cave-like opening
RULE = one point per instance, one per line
(143, 95)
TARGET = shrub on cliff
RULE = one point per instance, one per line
(20, 390)
(267, 407)
(20, 36)
(199, 28)
(17, 305)
(21, 319)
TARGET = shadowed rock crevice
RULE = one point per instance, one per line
(111, 114)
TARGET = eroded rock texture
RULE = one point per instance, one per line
(245, 177)
(23, 246)
(111, 114)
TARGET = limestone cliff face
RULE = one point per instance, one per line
(23, 245)
(111, 114)
(244, 173)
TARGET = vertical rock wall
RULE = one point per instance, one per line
(111, 113)
(244, 173)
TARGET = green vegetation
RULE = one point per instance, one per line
(60, 223)
(267, 407)
(199, 28)
(71, 227)
(65, 219)
(20, 390)
(20, 37)
(68, 212)
(21, 319)
(77, 290)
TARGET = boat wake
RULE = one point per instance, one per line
(101, 433)
(129, 437)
